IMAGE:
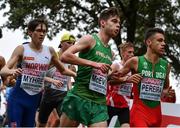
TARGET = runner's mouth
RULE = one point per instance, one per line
(41, 39)
(116, 31)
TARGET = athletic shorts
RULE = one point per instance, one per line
(21, 112)
(84, 111)
(46, 108)
(144, 116)
(122, 113)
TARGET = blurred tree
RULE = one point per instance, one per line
(137, 16)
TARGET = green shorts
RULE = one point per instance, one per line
(84, 111)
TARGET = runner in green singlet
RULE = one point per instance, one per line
(86, 102)
(152, 79)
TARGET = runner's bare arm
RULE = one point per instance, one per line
(168, 91)
(14, 59)
(2, 62)
(167, 77)
(57, 83)
(114, 68)
(84, 44)
(58, 64)
(130, 65)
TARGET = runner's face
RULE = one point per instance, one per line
(39, 34)
(158, 44)
(66, 45)
(128, 53)
(113, 26)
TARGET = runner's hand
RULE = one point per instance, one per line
(169, 92)
(103, 67)
(57, 83)
(135, 78)
(16, 72)
(114, 75)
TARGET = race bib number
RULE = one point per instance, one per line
(125, 89)
(151, 89)
(32, 80)
(98, 82)
(62, 78)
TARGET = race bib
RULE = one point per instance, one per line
(98, 82)
(32, 81)
(62, 78)
(151, 89)
(125, 89)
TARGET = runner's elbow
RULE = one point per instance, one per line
(64, 57)
(67, 58)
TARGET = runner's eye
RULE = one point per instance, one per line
(41, 30)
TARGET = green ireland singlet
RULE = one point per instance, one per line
(90, 83)
(152, 84)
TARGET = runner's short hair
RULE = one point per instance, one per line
(107, 13)
(151, 32)
(34, 23)
(125, 45)
(122, 47)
